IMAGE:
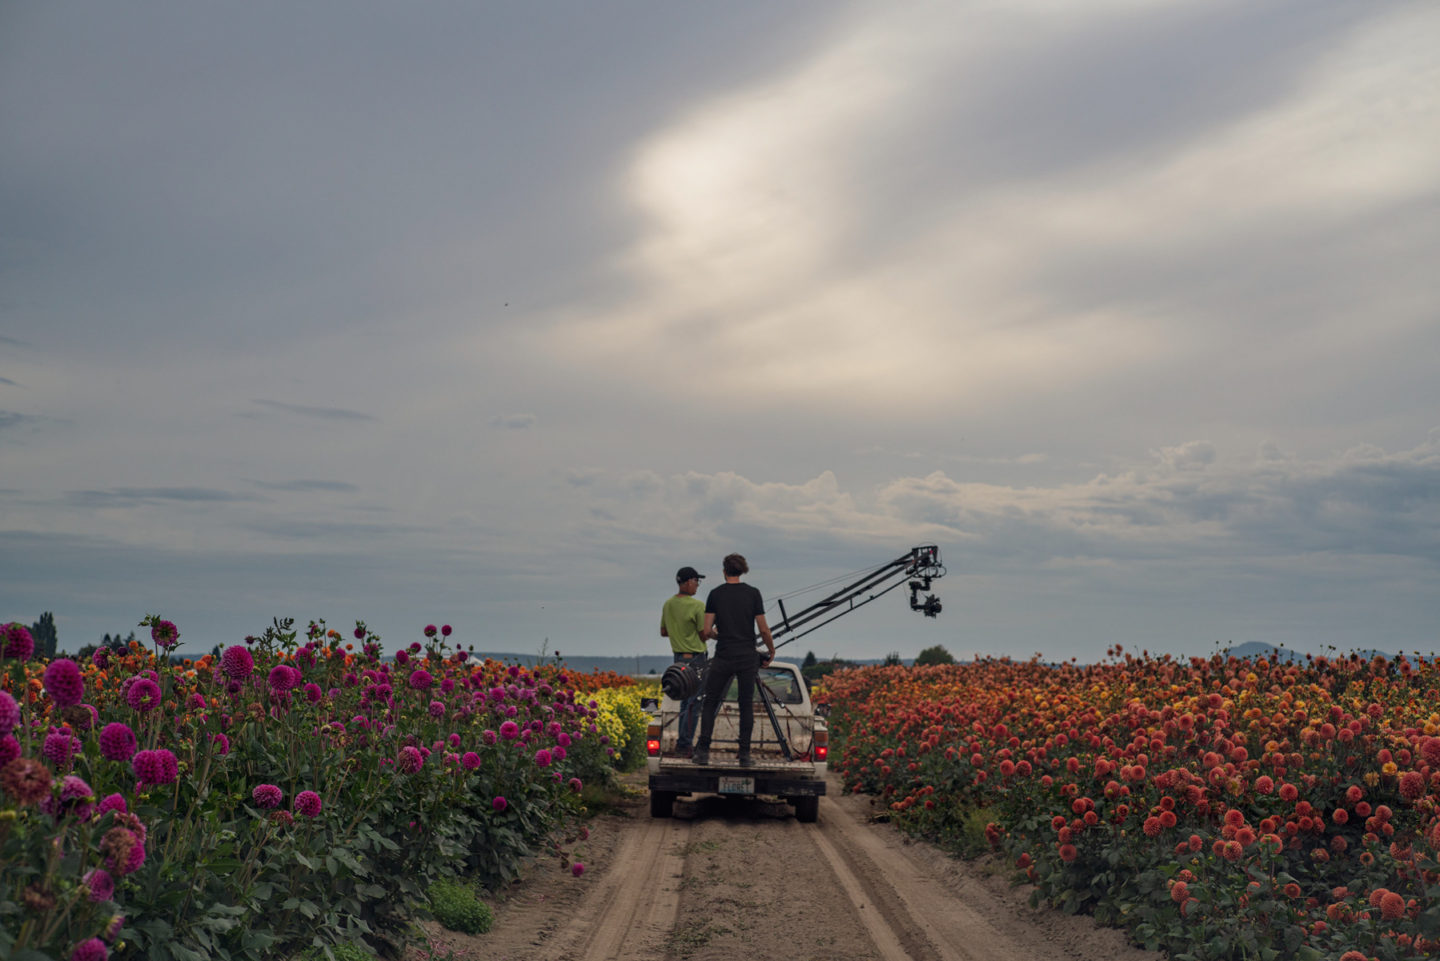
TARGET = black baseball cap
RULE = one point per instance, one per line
(686, 573)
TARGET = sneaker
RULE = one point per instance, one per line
(700, 756)
(744, 760)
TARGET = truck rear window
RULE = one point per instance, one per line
(780, 683)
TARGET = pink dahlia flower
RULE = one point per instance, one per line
(92, 950)
(9, 713)
(64, 683)
(165, 634)
(143, 694)
(308, 803)
(60, 747)
(410, 760)
(155, 767)
(101, 885)
(267, 796)
(237, 662)
(16, 642)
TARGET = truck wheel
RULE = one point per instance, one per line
(807, 809)
(662, 804)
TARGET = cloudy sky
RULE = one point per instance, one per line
(495, 314)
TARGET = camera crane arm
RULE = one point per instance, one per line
(917, 568)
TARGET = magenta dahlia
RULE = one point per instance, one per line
(101, 885)
(16, 642)
(117, 742)
(143, 694)
(64, 683)
(92, 950)
(237, 662)
(155, 767)
(410, 760)
(60, 747)
(9, 713)
(307, 803)
(165, 634)
(267, 795)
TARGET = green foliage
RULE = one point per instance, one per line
(43, 631)
(226, 878)
(456, 907)
(338, 952)
(819, 669)
(809, 660)
(934, 655)
(892, 660)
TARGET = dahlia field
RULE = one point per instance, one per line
(295, 793)
(1215, 807)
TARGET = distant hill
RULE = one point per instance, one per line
(1254, 649)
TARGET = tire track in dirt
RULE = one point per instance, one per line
(631, 917)
(917, 916)
(727, 878)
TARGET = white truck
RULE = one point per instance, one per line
(789, 743)
(789, 747)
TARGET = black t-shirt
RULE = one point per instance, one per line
(735, 607)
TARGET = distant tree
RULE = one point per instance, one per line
(892, 659)
(216, 651)
(809, 660)
(933, 655)
(117, 643)
(43, 631)
(820, 668)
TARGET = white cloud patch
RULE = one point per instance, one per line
(984, 283)
(1186, 504)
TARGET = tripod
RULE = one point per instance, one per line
(681, 681)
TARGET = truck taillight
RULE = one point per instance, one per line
(822, 745)
(821, 751)
(652, 740)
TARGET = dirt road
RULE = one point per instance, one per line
(728, 879)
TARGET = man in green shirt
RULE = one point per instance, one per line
(682, 619)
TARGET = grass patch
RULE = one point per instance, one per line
(683, 942)
(456, 906)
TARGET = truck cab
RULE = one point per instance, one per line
(789, 747)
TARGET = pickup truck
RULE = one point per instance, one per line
(789, 746)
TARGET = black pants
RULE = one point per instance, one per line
(745, 668)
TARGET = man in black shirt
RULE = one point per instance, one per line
(733, 612)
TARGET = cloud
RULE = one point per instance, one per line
(10, 419)
(513, 421)
(8, 382)
(327, 486)
(1185, 505)
(1099, 208)
(323, 413)
(134, 496)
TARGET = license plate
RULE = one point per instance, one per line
(737, 785)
